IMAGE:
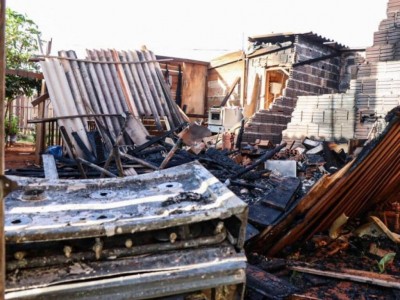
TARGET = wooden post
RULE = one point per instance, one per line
(2, 148)
(41, 127)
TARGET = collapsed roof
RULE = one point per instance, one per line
(105, 87)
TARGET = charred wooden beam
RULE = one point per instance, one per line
(156, 139)
(178, 98)
(230, 91)
(266, 264)
(72, 117)
(263, 158)
(139, 161)
(268, 285)
(313, 60)
(24, 73)
(96, 167)
(170, 154)
(221, 158)
(240, 136)
(384, 280)
(72, 150)
(40, 99)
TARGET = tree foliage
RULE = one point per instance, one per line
(21, 44)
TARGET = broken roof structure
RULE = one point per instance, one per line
(365, 184)
(275, 71)
(106, 86)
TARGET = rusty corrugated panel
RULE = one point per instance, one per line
(368, 181)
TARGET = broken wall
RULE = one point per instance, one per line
(374, 92)
(306, 77)
(378, 83)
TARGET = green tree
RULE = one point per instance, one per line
(21, 44)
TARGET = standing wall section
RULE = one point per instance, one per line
(308, 79)
(373, 91)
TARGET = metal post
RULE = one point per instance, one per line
(2, 141)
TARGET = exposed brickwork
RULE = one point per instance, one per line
(373, 92)
(310, 79)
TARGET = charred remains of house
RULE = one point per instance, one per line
(265, 174)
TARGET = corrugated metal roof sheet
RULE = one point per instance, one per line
(290, 36)
(109, 84)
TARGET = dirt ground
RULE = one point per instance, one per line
(19, 155)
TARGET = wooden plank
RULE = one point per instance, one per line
(49, 166)
(282, 196)
(2, 145)
(250, 108)
(26, 74)
(161, 58)
(230, 91)
(40, 99)
(227, 59)
(40, 128)
(194, 91)
(353, 275)
(267, 285)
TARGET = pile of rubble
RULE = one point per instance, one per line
(304, 201)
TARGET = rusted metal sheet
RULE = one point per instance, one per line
(113, 237)
(157, 275)
(363, 184)
(115, 206)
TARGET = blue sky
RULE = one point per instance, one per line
(196, 29)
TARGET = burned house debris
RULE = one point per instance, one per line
(296, 166)
(274, 72)
(141, 237)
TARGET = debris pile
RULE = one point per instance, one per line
(345, 228)
(307, 212)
